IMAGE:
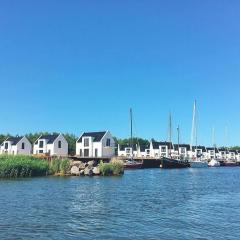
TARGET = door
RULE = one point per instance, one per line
(86, 152)
(96, 152)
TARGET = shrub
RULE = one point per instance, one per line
(111, 168)
(22, 166)
(64, 166)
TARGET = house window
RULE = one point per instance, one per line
(23, 145)
(59, 144)
(96, 152)
(108, 143)
(164, 149)
(40, 151)
(86, 142)
(80, 152)
(128, 150)
(182, 150)
(40, 144)
(6, 146)
(86, 152)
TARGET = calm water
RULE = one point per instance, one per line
(143, 204)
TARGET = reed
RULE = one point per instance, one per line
(22, 166)
(113, 168)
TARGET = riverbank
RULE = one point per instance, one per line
(21, 166)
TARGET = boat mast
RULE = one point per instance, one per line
(194, 127)
(170, 133)
(131, 132)
(178, 130)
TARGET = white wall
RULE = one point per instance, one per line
(63, 151)
(102, 149)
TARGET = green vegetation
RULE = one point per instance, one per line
(28, 166)
(22, 166)
(113, 168)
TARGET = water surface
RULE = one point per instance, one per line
(143, 204)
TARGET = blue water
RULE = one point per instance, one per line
(143, 204)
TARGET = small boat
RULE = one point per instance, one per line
(131, 164)
(214, 163)
(173, 163)
(230, 164)
(198, 164)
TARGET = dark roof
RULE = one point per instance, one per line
(97, 136)
(14, 140)
(157, 144)
(144, 147)
(233, 151)
(199, 147)
(222, 149)
(124, 146)
(50, 138)
(187, 146)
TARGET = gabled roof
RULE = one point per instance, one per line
(144, 147)
(97, 136)
(200, 148)
(187, 146)
(156, 145)
(14, 140)
(233, 151)
(51, 138)
(124, 146)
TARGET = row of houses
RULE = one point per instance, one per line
(184, 151)
(102, 144)
(89, 144)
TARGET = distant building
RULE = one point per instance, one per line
(144, 151)
(183, 150)
(95, 144)
(232, 154)
(160, 149)
(52, 145)
(211, 153)
(199, 152)
(16, 145)
(127, 151)
(222, 154)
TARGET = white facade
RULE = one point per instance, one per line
(16, 145)
(95, 144)
(52, 145)
(160, 149)
(182, 151)
(232, 155)
(127, 151)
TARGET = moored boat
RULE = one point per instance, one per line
(198, 164)
(229, 164)
(131, 164)
(214, 163)
(173, 163)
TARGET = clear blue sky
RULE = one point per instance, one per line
(73, 66)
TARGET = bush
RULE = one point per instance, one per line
(60, 166)
(22, 166)
(64, 166)
(112, 168)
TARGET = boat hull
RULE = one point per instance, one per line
(168, 163)
(198, 164)
(214, 163)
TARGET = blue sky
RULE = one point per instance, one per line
(74, 66)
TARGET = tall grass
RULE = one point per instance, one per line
(22, 166)
(59, 166)
(112, 168)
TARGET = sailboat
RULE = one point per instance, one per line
(170, 162)
(131, 163)
(196, 162)
(214, 162)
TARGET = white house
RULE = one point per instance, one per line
(127, 151)
(199, 152)
(52, 145)
(144, 151)
(182, 151)
(160, 149)
(95, 144)
(222, 154)
(211, 153)
(232, 155)
(16, 145)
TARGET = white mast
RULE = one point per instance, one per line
(194, 127)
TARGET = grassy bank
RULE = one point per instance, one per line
(114, 168)
(29, 166)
